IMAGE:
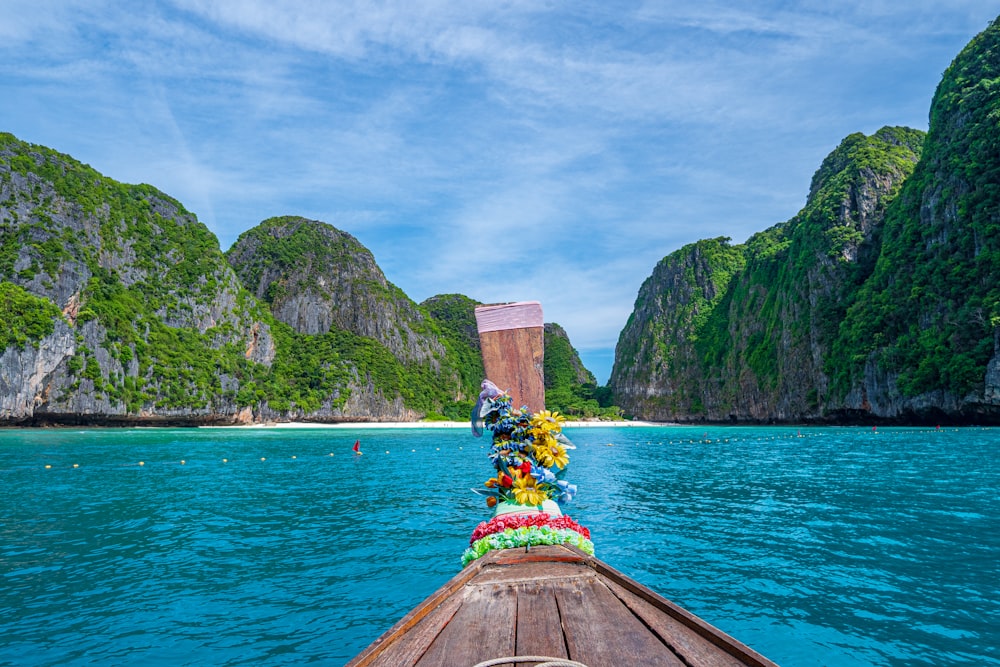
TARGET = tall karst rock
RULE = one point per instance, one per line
(326, 286)
(315, 278)
(742, 333)
(879, 300)
(657, 371)
(117, 307)
(923, 333)
(151, 323)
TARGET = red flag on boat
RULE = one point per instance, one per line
(357, 447)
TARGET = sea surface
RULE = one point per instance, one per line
(838, 547)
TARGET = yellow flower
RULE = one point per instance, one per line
(551, 454)
(525, 490)
(548, 421)
(542, 438)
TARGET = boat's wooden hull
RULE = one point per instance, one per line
(551, 601)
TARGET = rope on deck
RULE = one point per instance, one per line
(543, 661)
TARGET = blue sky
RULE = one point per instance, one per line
(503, 150)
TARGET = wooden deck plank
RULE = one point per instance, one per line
(552, 601)
(539, 628)
(600, 630)
(536, 572)
(714, 635)
(481, 629)
(409, 647)
(449, 593)
(692, 647)
(543, 553)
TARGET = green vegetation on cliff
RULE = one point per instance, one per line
(569, 387)
(930, 308)
(455, 315)
(283, 243)
(136, 263)
(879, 299)
(723, 332)
(24, 317)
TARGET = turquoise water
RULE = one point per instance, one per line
(833, 547)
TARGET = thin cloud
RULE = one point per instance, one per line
(503, 150)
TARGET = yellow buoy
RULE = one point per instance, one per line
(294, 457)
(76, 465)
(225, 460)
(142, 463)
(263, 459)
(48, 467)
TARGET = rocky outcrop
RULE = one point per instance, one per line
(25, 373)
(316, 278)
(117, 307)
(877, 302)
(130, 269)
(657, 372)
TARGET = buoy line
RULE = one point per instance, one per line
(682, 441)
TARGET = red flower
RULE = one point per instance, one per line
(525, 468)
(506, 482)
(504, 521)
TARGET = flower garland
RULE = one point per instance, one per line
(526, 536)
(498, 524)
(529, 453)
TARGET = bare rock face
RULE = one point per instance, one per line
(25, 373)
(317, 278)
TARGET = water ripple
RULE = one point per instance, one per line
(816, 546)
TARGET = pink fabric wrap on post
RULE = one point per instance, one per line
(519, 315)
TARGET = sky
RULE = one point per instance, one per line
(507, 150)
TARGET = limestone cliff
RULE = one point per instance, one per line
(117, 307)
(657, 372)
(316, 278)
(135, 277)
(878, 301)
(921, 336)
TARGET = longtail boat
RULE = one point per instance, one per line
(532, 592)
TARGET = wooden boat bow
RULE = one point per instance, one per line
(551, 602)
(528, 595)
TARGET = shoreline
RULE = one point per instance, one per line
(422, 424)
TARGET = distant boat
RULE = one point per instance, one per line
(357, 448)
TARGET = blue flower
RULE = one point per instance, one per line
(567, 491)
(542, 474)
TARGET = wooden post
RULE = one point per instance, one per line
(512, 339)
